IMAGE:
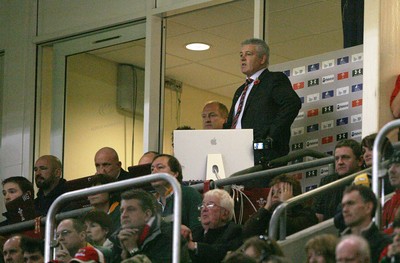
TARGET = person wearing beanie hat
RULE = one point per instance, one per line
(391, 206)
(88, 254)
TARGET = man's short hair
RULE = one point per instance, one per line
(147, 200)
(352, 144)
(285, 178)
(102, 179)
(366, 194)
(223, 110)
(55, 162)
(225, 200)
(262, 47)
(32, 245)
(77, 224)
(174, 165)
(363, 250)
(22, 182)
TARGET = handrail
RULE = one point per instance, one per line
(264, 173)
(278, 212)
(50, 220)
(377, 167)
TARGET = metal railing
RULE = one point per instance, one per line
(377, 167)
(279, 214)
(50, 219)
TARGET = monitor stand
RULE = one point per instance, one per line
(215, 167)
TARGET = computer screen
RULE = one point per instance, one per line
(192, 147)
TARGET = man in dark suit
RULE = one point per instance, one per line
(107, 162)
(270, 104)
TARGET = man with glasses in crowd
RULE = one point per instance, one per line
(217, 234)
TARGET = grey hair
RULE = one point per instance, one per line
(361, 244)
(225, 200)
(261, 47)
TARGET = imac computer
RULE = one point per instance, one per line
(213, 154)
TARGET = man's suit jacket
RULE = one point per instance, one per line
(270, 110)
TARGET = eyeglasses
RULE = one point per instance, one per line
(208, 206)
(63, 233)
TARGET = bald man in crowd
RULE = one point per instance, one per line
(107, 162)
(12, 250)
(214, 115)
(48, 179)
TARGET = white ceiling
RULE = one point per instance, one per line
(297, 29)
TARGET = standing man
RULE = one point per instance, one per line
(348, 160)
(359, 205)
(266, 103)
(48, 179)
(107, 162)
(214, 115)
(12, 250)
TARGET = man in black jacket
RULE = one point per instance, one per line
(107, 162)
(269, 103)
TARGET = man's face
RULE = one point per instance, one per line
(107, 163)
(99, 199)
(250, 61)
(132, 214)
(69, 238)
(394, 175)
(12, 251)
(11, 191)
(160, 165)
(355, 210)
(346, 162)
(212, 117)
(212, 215)
(35, 257)
(46, 175)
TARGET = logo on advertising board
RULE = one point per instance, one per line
(299, 71)
(327, 139)
(287, 72)
(311, 173)
(343, 75)
(327, 94)
(312, 97)
(357, 87)
(312, 113)
(324, 171)
(300, 116)
(341, 136)
(313, 67)
(327, 109)
(342, 60)
(342, 91)
(356, 103)
(310, 187)
(356, 118)
(313, 82)
(342, 121)
(342, 106)
(312, 128)
(325, 125)
(312, 143)
(328, 64)
(356, 133)
(356, 72)
(328, 79)
(357, 57)
(297, 146)
(297, 131)
(298, 85)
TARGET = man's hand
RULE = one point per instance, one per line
(186, 233)
(128, 238)
(62, 255)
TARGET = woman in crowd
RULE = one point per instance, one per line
(106, 202)
(321, 249)
(164, 163)
(98, 225)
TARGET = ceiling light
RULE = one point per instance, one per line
(197, 46)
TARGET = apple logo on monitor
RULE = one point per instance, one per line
(213, 141)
